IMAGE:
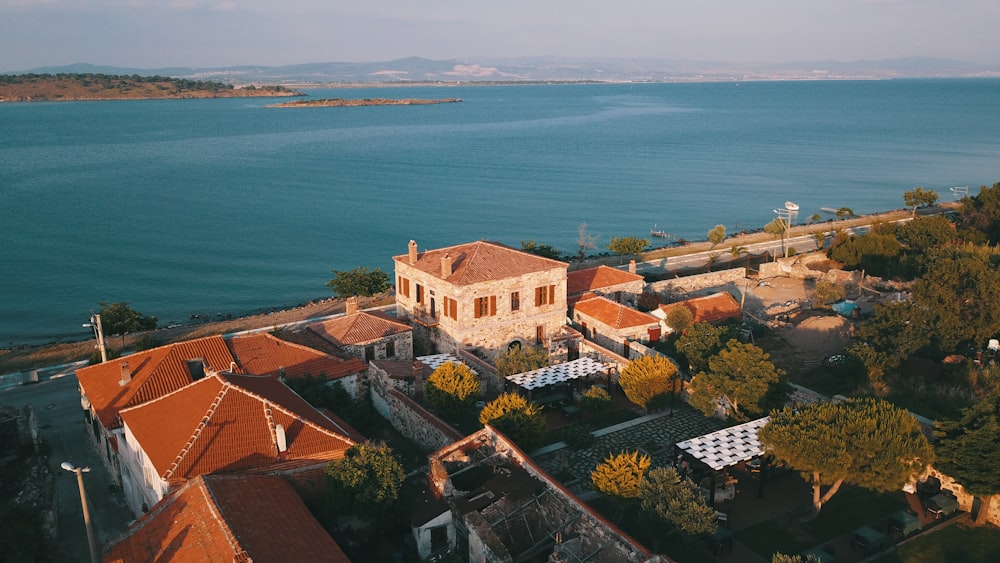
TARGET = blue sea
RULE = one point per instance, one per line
(217, 207)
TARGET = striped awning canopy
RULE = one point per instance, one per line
(559, 373)
(726, 447)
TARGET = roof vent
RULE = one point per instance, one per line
(126, 373)
(196, 368)
(279, 433)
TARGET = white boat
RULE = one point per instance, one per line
(791, 206)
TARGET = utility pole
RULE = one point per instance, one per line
(95, 323)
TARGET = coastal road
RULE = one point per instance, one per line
(62, 428)
(697, 260)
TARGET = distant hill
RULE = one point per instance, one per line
(544, 69)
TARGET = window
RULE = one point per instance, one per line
(390, 349)
(515, 301)
(420, 293)
(486, 306)
(369, 353)
(404, 286)
(545, 295)
(539, 334)
(450, 308)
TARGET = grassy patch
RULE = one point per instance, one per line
(954, 543)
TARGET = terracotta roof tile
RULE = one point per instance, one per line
(709, 309)
(481, 261)
(226, 518)
(154, 373)
(614, 314)
(227, 422)
(265, 354)
(360, 328)
(579, 281)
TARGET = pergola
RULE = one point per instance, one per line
(559, 373)
(437, 360)
(727, 447)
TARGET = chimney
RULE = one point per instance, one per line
(126, 373)
(631, 266)
(446, 262)
(413, 251)
(352, 305)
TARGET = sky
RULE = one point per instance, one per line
(213, 33)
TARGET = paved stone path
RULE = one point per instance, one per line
(654, 435)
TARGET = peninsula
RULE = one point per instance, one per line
(84, 87)
(341, 102)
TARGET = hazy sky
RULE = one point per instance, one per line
(202, 33)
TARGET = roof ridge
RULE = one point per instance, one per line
(198, 429)
(292, 414)
(216, 511)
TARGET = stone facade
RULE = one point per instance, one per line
(673, 289)
(480, 295)
(392, 384)
(613, 325)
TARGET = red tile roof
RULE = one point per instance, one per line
(614, 314)
(228, 422)
(579, 281)
(264, 354)
(154, 373)
(709, 309)
(360, 328)
(481, 261)
(227, 518)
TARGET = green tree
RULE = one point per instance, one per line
(452, 388)
(627, 246)
(844, 212)
(648, 377)
(584, 242)
(926, 232)
(866, 442)
(782, 558)
(366, 480)
(680, 319)
(919, 197)
(700, 342)
(968, 449)
(359, 281)
(960, 289)
(516, 418)
(877, 253)
(820, 238)
(736, 251)
(676, 501)
(620, 477)
(120, 319)
(596, 401)
(716, 235)
(777, 228)
(543, 250)
(520, 359)
(742, 376)
(896, 331)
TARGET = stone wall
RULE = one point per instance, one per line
(413, 420)
(965, 499)
(676, 288)
(402, 345)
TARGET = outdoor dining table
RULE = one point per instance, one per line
(941, 505)
(903, 523)
(868, 538)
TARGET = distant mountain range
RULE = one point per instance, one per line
(548, 69)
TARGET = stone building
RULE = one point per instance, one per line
(480, 295)
(367, 335)
(614, 325)
(617, 285)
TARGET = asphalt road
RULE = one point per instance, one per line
(61, 424)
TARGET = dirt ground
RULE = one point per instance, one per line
(806, 336)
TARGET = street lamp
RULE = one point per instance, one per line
(95, 323)
(86, 511)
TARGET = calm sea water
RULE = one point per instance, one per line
(227, 206)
